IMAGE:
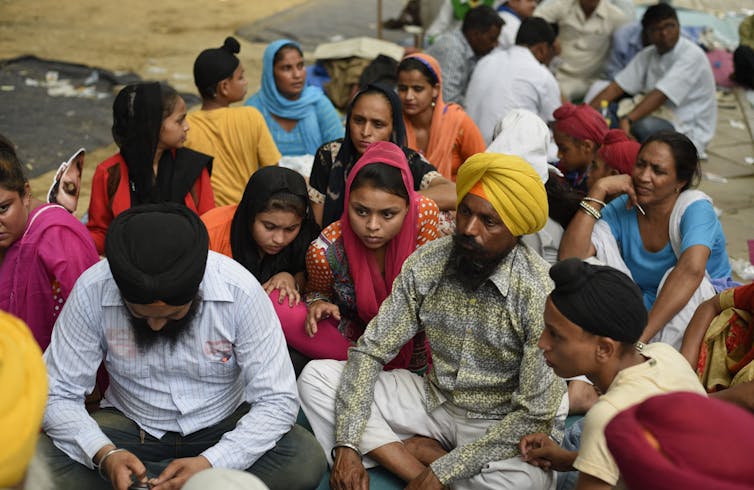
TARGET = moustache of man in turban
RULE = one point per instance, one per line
(500, 198)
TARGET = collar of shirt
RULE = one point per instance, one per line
(601, 11)
(501, 278)
(210, 290)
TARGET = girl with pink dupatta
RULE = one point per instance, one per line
(43, 250)
(352, 264)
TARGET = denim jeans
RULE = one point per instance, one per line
(571, 442)
(296, 462)
(649, 125)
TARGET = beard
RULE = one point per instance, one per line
(470, 263)
(173, 330)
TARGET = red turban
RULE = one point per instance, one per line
(619, 151)
(697, 443)
(581, 122)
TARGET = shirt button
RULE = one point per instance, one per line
(472, 301)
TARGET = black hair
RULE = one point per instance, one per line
(286, 201)
(481, 19)
(12, 175)
(685, 156)
(280, 52)
(410, 63)
(657, 13)
(169, 100)
(383, 177)
(207, 67)
(535, 30)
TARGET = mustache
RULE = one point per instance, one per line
(468, 243)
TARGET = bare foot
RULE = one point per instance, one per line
(425, 449)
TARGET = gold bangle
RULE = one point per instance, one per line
(593, 199)
(590, 210)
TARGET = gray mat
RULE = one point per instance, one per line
(320, 21)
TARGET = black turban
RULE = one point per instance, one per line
(216, 64)
(599, 299)
(157, 252)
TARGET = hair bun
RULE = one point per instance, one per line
(231, 45)
(570, 275)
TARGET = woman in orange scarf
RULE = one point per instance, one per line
(443, 133)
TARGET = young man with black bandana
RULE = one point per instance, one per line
(199, 372)
(593, 320)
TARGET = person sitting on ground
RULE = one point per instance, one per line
(585, 28)
(593, 320)
(374, 114)
(515, 78)
(718, 345)
(458, 51)
(237, 137)
(579, 131)
(442, 132)
(300, 117)
(43, 250)
(662, 233)
(24, 382)
(149, 127)
(675, 78)
(478, 296)
(616, 156)
(352, 265)
(268, 233)
(513, 13)
(199, 374)
(683, 440)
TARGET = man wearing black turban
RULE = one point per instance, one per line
(199, 372)
(593, 320)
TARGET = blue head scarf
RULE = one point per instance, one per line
(270, 101)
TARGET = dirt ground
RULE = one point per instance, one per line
(155, 39)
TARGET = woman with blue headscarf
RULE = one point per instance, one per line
(300, 117)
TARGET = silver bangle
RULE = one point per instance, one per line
(349, 446)
(590, 210)
(103, 458)
(592, 199)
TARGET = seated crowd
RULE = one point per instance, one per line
(519, 307)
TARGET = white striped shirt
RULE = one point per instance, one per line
(234, 352)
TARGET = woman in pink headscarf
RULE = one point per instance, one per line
(352, 264)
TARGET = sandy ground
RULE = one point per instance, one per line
(156, 39)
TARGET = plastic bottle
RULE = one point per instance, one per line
(605, 111)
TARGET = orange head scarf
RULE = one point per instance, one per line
(446, 123)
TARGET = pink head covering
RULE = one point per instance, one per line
(703, 443)
(619, 151)
(371, 287)
(581, 122)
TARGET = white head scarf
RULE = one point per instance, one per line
(524, 134)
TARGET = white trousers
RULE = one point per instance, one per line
(398, 413)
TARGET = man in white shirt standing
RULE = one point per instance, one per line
(674, 75)
(199, 373)
(515, 78)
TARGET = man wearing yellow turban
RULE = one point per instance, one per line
(479, 297)
(23, 382)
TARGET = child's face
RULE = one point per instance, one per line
(236, 85)
(174, 128)
(572, 153)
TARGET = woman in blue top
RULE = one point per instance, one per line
(301, 118)
(663, 234)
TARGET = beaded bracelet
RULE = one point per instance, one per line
(102, 461)
(592, 199)
(590, 210)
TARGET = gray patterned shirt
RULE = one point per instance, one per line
(484, 352)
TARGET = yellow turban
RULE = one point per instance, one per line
(23, 393)
(511, 185)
